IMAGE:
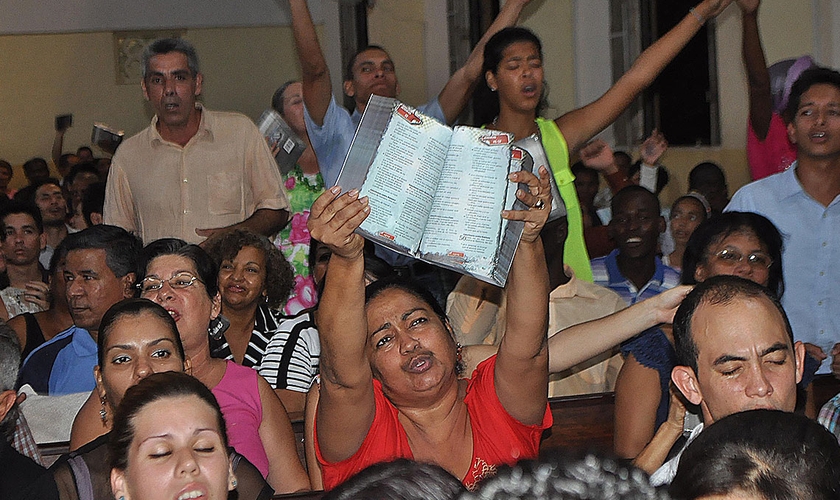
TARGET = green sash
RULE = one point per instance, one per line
(557, 152)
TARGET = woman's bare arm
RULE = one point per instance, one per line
(285, 472)
(655, 453)
(580, 125)
(346, 408)
(521, 375)
(578, 343)
(761, 97)
(637, 396)
(313, 468)
(293, 401)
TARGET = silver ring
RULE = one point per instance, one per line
(539, 205)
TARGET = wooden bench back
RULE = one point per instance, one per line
(583, 422)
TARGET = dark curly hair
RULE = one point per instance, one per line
(279, 275)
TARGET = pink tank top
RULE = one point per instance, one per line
(772, 155)
(238, 394)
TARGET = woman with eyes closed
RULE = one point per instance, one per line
(514, 72)
(743, 244)
(183, 279)
(136, 339)
(254, 279)
(169, 442)
(390, 384)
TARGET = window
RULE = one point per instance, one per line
(468, 20)
(682, 102)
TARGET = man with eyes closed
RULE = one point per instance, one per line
(735, 352)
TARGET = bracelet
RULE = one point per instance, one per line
(700, 19)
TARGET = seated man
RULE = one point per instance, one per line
(23, 283)
(99, 272)
(633, 270)
(735, 352)
(17, 472)
(49, 198)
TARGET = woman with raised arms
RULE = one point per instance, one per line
(390, 385)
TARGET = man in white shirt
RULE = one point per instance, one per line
(735, 351)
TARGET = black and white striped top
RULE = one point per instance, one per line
(284, 350)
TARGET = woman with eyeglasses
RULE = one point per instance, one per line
(137, 338)
(733, 243)
(183, 279)
(738, 243)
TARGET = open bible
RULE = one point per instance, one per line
(436, 193)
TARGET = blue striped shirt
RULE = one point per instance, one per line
(605, 272)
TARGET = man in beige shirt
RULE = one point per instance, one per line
(476, 311)
(193, 172)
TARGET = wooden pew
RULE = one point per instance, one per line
(309, 495)
(582, 422)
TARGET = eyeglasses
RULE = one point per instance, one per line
(755, 259)
(177, 282)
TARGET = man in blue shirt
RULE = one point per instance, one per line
(331, 128)
(633, 270)
(804, 204)
(371, 71)
(99, 272)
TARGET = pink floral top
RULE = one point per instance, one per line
(302, 190)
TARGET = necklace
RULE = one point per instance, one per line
(536, 132)
(317, 187)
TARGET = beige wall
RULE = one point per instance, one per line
(45, 75)
(551, 20)
(398, 26)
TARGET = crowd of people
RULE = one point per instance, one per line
(199, 300)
